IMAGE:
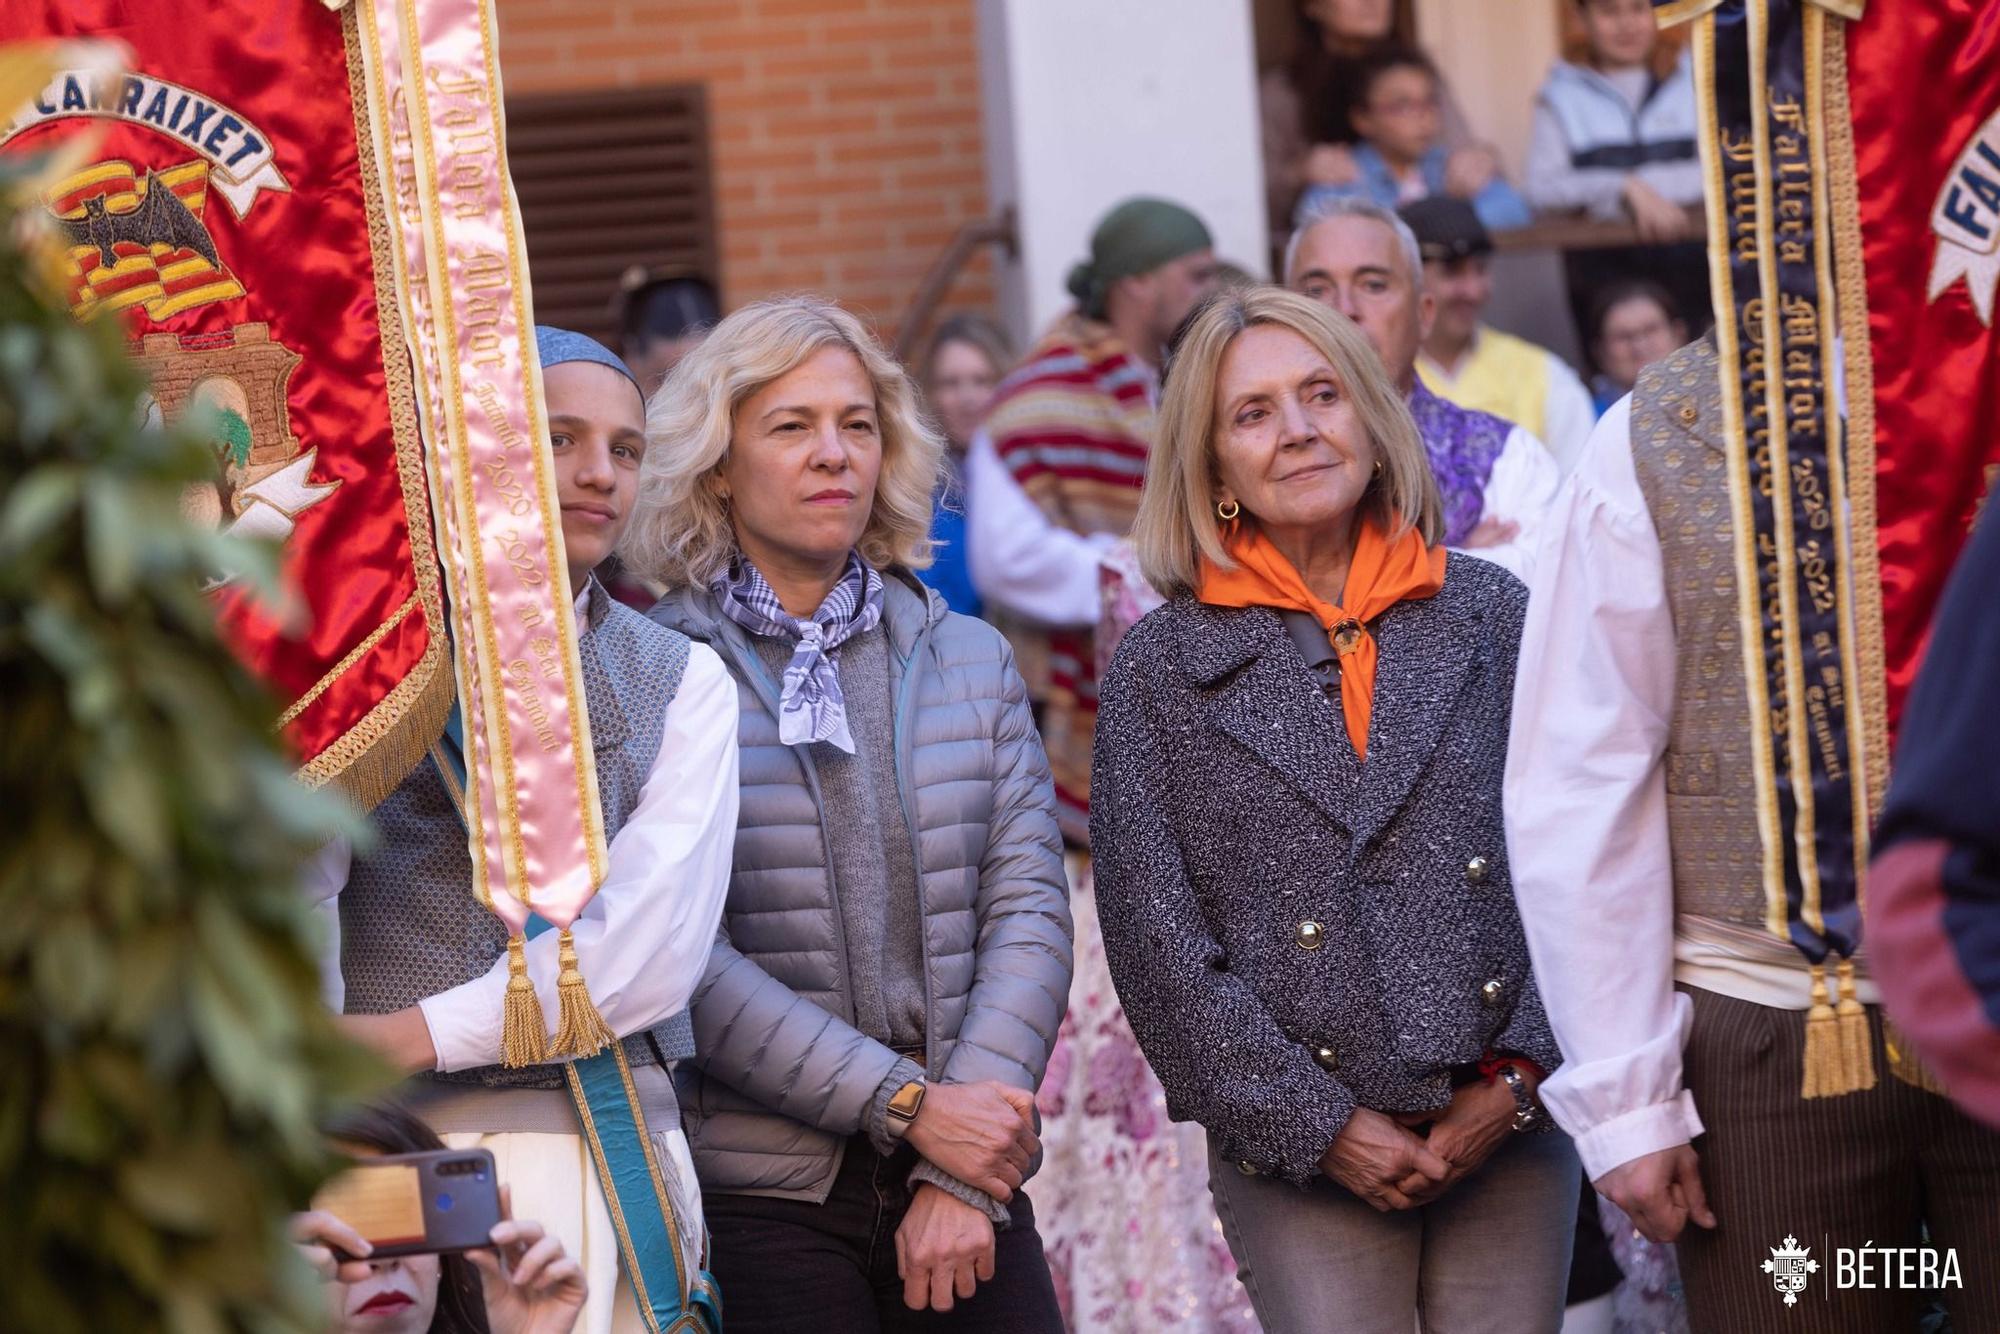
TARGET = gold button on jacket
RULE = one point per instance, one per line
(1475, 870)
(1309, 935)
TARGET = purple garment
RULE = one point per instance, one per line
(1462, 444)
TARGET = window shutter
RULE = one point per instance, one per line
(608, 179)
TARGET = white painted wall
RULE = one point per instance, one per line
(1088, 102)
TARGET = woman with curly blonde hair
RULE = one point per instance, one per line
(895, 952)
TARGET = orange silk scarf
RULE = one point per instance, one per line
(1381, 574)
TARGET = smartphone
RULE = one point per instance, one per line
(438, 1201)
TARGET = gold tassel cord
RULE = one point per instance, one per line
(580, 1029)
(1904, 1062)
(1855, 1045)
(1822, 1053)
(1837, 1057)
(523, 1032)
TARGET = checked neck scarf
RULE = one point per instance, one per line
(810, 705)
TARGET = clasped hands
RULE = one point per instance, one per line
(984, 1135)
(1383, 1160)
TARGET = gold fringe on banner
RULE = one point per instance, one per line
(523, 1032)
(580, 1029)
(1905, 1064)
(378, 752)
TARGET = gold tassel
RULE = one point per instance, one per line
(523, 1034)
(1822, 1056)
(1838, 1058)
(1904, 1063)
(580, 1029)
(1855, 1046)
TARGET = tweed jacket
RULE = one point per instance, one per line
(1294, 933)
(782, 1078)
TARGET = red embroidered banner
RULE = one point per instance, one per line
(229, 213)
(1924, 91)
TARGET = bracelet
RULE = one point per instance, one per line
(1528, 1113)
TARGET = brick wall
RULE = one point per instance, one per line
(845, 133)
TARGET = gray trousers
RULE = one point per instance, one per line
(1491, 1254)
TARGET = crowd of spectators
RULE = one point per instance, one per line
(1362, 110)
(1395, 207)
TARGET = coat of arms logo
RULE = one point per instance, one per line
(1789, 1267)
(136, 237)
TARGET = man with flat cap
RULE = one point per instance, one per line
(1053, 477)
(1475, 365)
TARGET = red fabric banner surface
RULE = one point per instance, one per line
(1924, 89)
(228, 214)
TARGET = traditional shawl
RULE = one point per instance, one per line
(1073, 425)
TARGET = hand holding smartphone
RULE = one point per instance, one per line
(435, 1202)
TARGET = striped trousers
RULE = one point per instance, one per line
(1892, 1166)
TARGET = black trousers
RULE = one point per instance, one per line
(1881, 1168)
(790, 1265)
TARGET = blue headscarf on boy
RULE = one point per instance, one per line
(555, 346)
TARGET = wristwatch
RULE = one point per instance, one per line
(1528, 1114)
(904, 1106)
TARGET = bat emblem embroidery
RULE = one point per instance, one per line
(160, 218)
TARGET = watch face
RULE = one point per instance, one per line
(908, 1100)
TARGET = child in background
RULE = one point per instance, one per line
(1611, 138)
(1397, 110)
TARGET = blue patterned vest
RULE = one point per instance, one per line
(409, 926)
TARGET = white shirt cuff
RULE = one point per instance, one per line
(465, 1022)
(1637, 1133)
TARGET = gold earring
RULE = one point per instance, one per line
(1378, 467)
(1227, 510)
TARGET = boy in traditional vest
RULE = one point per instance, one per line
(422, 967)
(1633, 831)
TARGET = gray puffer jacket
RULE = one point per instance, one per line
(783, 1078)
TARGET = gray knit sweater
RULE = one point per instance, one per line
(873, 864)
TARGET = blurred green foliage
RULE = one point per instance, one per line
(164, 1058)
